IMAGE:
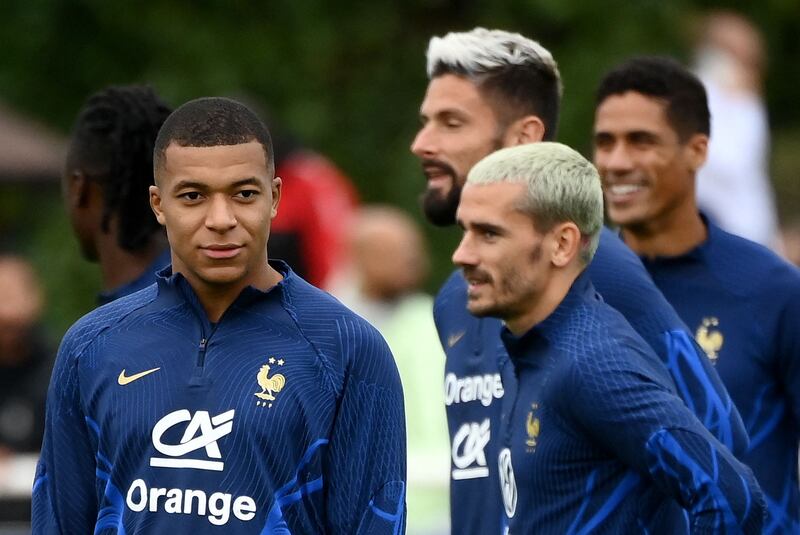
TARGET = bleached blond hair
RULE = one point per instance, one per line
(518, 74)
(561, 185)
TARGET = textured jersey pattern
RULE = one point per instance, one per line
(473, 349)
(743, 304)
(599, 441)
(257, 424)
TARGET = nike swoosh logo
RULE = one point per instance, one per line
(454, 338)
(124, 380)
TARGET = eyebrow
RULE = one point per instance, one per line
(481, 227)
(190, 184)
(488, 226)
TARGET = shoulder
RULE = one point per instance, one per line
(341, 338)
(453, 289)
(748, 267)
(103, 319)
(603, 347)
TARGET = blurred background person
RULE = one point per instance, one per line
(108, 171)
(389, 264)
(318, 202)
(790, 239)
(25, 357)
(733, 187)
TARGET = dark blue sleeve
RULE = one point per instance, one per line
(788, 341)
(628, 410)
(366, 461)
(622, 280)
(64, 496)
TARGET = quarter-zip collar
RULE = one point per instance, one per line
(524, 349)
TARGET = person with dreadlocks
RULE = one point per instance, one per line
(108, 171)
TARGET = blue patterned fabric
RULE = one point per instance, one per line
(594, 438)
(473, 385)
(743, 304)
(284, 417)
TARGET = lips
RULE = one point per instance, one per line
(622, 193)
(475, 279)
(221, 251)
(438, 173)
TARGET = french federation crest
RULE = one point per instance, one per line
(532, 427)
(710, 338)
(270, 384)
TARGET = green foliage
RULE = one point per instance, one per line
(347, 77)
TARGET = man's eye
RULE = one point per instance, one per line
(247, 193)
(190, 195)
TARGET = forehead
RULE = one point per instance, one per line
(244, 160)
(495, 202)
(456, 93)
(631, 111)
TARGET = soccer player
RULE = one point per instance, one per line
(651, 135)
(109, 168)
(231, 392)
(593, 436)
(487, 90)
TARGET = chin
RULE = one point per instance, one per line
(222, 276)
(481, 311)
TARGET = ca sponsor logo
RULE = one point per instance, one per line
(469, 457)
(508, 485)
(484, 388)
(202, 432)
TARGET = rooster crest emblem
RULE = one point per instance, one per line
(270, 385)
(532, 427)
(709, 338)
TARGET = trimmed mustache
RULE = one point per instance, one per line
(476, 274)
(437, 165)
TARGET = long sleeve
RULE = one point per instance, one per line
(64, 492)
(632, 414)
(366, 461)
(622, 280)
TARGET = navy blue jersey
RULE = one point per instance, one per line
(284, 417)
(473, 382)
(144, 280)
(594, 438)
(744, 304)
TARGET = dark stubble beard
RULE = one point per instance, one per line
(440, 210)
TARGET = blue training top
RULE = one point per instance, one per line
(284, 417)
(473, 382)
(594, 438)
(744, 303)
(144, 280)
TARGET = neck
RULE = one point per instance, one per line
(119, 266)
(675, 234)
(555, 290)
(217, 298)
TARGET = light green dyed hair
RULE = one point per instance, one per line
(562, 186)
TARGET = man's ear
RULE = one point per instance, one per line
(155, 204)
(77, 189)
(528, 129)
(697, 151)
(277, 183)
(566, 243)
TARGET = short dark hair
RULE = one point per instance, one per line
(665, 79)
(518, 75)
(112, 143)
(213, 121)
